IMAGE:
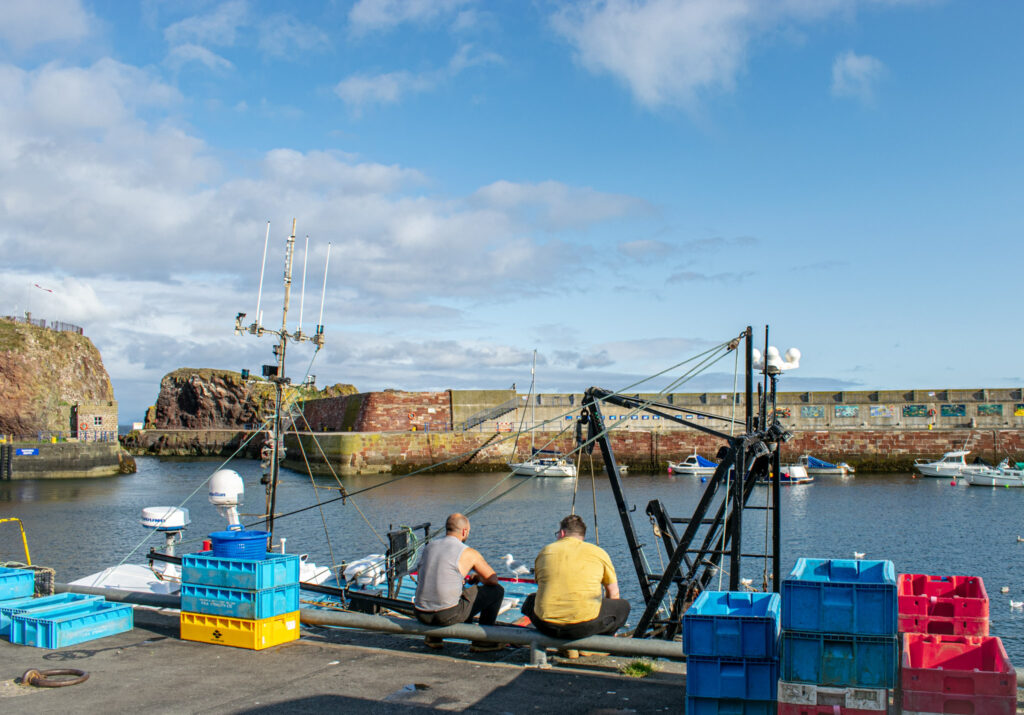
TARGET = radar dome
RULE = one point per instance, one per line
(226, 488)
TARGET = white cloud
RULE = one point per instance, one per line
(361, 91)
(646, 250)
(27, 23)
(856, 76)
(369, 15)
(219, 27)
(674, 52)
(282, 36)
(183, 54)
(554, 205)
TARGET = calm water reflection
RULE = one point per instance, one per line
(924, 525)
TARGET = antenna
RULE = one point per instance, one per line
(319, 340)
(263, 267)
(302, 298)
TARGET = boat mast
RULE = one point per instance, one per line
(276, 373)
(533, 401)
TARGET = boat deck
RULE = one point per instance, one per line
(327, 670)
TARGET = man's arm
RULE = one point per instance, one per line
(611, 590)
(482, 571)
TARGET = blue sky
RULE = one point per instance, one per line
(616, 184)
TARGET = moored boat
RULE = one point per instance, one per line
(952, 464)
(790, 474)
(1001, 476)
(693, 465)
(545, 463)
(820, 468)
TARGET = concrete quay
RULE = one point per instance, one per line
(327, 670)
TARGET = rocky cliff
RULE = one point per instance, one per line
(220, 399)
(43, 373)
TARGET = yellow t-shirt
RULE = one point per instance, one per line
(570, 577)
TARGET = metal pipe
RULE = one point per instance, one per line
(651, 648)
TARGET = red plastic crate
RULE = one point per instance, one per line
(941, 626)
(944, 596)
(956, 665)
(917, 702)
(792, 709)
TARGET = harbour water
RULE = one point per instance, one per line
(79, 526)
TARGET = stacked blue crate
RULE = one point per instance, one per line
(731, 643)
(57, 621)
(235, 600)
(839, 637)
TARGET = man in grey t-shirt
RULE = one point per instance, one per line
(441, 599)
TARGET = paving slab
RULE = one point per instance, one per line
(334, 670)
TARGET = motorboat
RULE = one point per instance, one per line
(1001, 476)
(545, 463)
(694, 465)
(790, 474)
(953, 464)
(821, 468)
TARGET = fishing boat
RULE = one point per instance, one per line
(953, 464)
(820, 468)
(542, 462)
(790, 474)
(694, 465)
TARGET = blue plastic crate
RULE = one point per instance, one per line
(240, 544)
(839, 660)
(37, 605)
(239, 603)
(59, 628)
(714, 706)
(732, 678)
(733, 624)
(205, 569)
(16, 583)
(840, 596)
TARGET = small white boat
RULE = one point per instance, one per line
(545, 463)
(1001, 476)
(791, 474)
(952, 464)
(821, 468)
(694, 465)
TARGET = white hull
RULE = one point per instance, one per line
(938, 469)
(691, 470)
(996, 478)
(540, 469)
(828, 471)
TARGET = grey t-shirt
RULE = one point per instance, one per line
(439, 583)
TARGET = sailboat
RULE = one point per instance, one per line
(542, 462)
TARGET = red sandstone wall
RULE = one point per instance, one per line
(388, 411)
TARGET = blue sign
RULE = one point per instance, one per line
(27, 452)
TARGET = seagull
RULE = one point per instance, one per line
(747, 583)
(858, 555)
(517, 568)
(1004, 589)
(1016, 604)
(1020, 539)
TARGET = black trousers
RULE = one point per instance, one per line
(612, 616)
(485, 600)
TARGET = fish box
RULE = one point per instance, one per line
(921, 703)
(732, 624)
(37, 605)
(728, 678)
(16, 583)
(943, 596)
(795, 709)
(205, 569)
(839, 660)
(840, 596)
(870, 699)
(239, 603)
(240, 632)
(59, 627)
(942, 626)
(714, 706)
(957, 665)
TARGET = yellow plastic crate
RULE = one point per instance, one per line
(240, 632)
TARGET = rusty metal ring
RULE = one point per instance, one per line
(43, 678)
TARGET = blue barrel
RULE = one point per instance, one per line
(240, 544)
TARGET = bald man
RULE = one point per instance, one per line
(441, 599)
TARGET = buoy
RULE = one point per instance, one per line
(703, 479)
(670, 470)
(952, 483)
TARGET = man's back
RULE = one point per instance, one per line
(570, 575)
(439, 581)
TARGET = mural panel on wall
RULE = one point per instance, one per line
(846, 411)
(990, 410)
(812, 411)
(915, 410)
(959, 410)
(883, 411)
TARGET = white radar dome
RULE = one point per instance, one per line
(165, 518)
(226, 488)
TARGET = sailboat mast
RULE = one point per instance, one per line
(533, 401)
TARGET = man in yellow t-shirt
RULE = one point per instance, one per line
(577, 592)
